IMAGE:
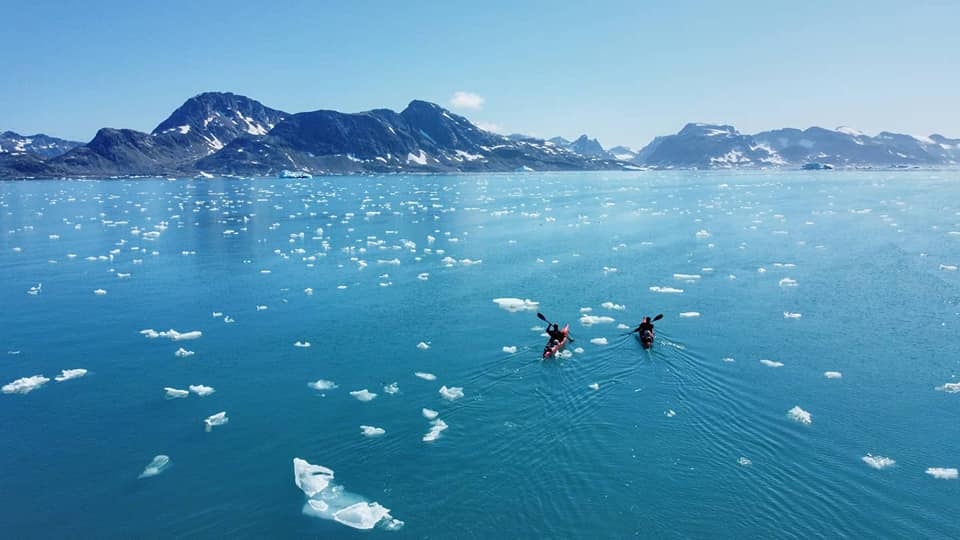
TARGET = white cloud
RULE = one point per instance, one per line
(466, 100)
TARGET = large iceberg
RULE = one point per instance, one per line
(330, 501)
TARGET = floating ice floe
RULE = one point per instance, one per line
(363, 395)
(201, 390)
(301, 344)
(594, 386)
(423, 276)
(35, 290)
(800, 415)
(833, 374)
(391, 388)
(703, 234)
(172, 334)
(745, 462)
(371, 431)
(156, 466)
(689, 314)
(686, 277)
(262, 308)
(950, 387)
(308, 291)
(322, 384)
(438, 426)
(25, 385)
(429, 414)
(878, 462)
(787, 282)
(771, 363)
(790, 315)
(510, 349)
(100, 292)
(218, 419)
(67, 374)
(599, 341)
(327, 500)
(426, 376)
(666, 290)
(452, 393)
(175, 393)
(728, 359)
(590, 320)
(183, 353)
(423, 346)
(949, 267)
(611, 305)
(669, 413)
(514, 305)
(942, 473)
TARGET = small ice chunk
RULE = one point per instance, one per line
(423, 276)
(391, 388)
(702, 233)
(438, 426)
(669, 413)
(218, 419)
(787, 282)
(599, 341)
(322, 384)
(949, 267)
(594, 386)
(363, 395)
(510, 349)
(426, 376)
(174, 393)
(744, 461)
(942, 473)
(800, 415)
(878, 462)
(201, 390)
(183, 353)
(452, 393)
(362, 515)
(67, 374)
(832, 374)
(590, 320)
(429, 414)
(686, 277)
(422, 346)
(790, 315)
(728, 359)
(159, 464)
(301, 344)
(689, 314)
(611, 305)
(771, 363)
(950, 387)
(308, 291)
(25, 385)
(371, 431)
(514, 305)
(311, 479)
(666, 290)
(100, 292)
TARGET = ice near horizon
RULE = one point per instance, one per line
(287, 302)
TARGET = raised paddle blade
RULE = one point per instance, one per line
(658, 317)
(541, 317)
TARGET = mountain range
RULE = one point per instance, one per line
(222, 133)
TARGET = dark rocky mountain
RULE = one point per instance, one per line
(588, 147)
(706, 146)
(423, 137)
(622, 153)
(41, 145)
(201, 126)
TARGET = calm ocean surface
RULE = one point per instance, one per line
(730, 427)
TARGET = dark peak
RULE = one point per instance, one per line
(583, 138)
(202, 109)
(708, 130)
(420, 105)
(11, 135)
(559, 141)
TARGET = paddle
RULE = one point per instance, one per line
(544, 319)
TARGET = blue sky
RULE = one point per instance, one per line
(620, 71)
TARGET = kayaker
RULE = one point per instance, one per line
(554, 332)
(645, 326)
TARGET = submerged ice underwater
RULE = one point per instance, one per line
(174, 349)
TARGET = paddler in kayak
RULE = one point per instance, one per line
(553, 330)
(645, 331)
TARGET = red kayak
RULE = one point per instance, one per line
(553, 346)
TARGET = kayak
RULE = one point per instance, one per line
(553, 347)
(646, 338)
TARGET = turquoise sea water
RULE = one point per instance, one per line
(784, 276)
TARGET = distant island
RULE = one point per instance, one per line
(220, 133)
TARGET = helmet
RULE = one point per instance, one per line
(646, 319)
